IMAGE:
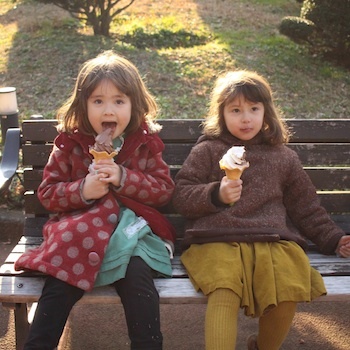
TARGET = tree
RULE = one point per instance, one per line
(96, 13)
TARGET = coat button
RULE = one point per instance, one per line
(94, 258)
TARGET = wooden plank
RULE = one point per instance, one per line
(185, 133)
(320, 130)
(305, 130)
(36, 155)
(39, 130)
(330, 178)
(317, 154)
(322, 154)
(171, 291)
(334, 202)
(343, 221)
(338, 288)
(21, 325)
(28, 290)
(175, 154)
(32, 178)
(33, 226)
(187, 130)
(329, 265)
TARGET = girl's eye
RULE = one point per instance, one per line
(255, 109)
(119, 102)
(235, 110)
(98, 101)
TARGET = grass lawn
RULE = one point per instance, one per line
(179, 46)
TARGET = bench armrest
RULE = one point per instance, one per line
(10, 157)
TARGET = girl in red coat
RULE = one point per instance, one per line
(105, 229)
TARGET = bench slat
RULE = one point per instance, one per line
(305, 130)
(325, 178)
(334, 202)
(327, 265)
(171, 291)
(320, 130)
(317, 154)
(28, 290)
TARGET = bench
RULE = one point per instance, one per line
(9, 159)
(322, 145)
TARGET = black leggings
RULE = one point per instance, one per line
(139, 297)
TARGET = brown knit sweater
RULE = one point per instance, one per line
(277, 197)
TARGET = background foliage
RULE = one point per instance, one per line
(324, 25)
(179, 46)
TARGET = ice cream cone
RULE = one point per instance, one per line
(102, 155)
(233, 163)
(234, 174)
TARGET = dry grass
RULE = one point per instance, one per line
(43, 49)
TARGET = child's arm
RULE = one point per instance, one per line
(60, 191)
(305, 211)
(145, 179)
(343, 248)
(198, 184)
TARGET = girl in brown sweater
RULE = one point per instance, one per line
(250, 255)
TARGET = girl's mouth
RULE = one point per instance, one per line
(109, 125)
(246, 130)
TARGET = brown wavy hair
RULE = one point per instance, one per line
(254, 88)
(125, 76)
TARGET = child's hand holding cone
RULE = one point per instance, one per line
(234, 163)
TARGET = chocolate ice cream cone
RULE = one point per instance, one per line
(102, 155)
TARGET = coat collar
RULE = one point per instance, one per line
(142, 136)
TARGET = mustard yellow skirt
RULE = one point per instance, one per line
(261, 274)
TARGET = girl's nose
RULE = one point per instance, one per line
(245, 117)
(108, 109)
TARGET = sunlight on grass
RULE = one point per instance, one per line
(7, 35)
(179, 46)
(126, 24)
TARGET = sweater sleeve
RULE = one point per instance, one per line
(195, 184)
(305, 211)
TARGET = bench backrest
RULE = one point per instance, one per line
(322, 145)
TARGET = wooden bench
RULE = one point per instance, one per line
(323, 147)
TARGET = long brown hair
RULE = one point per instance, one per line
(125, 76)
(254, 88)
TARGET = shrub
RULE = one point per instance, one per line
(325, 26)
(297, 28)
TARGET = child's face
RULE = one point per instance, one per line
(244, 119)
(108, 106)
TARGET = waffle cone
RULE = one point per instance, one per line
(102, 155)
(234, 174)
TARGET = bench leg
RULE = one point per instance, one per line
(21, 325)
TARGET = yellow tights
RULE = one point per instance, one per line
(221, 322)
(275, 325)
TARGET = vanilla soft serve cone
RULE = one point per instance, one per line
(234, 163)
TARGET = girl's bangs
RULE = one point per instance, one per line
(96, 78)
(250, 92)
